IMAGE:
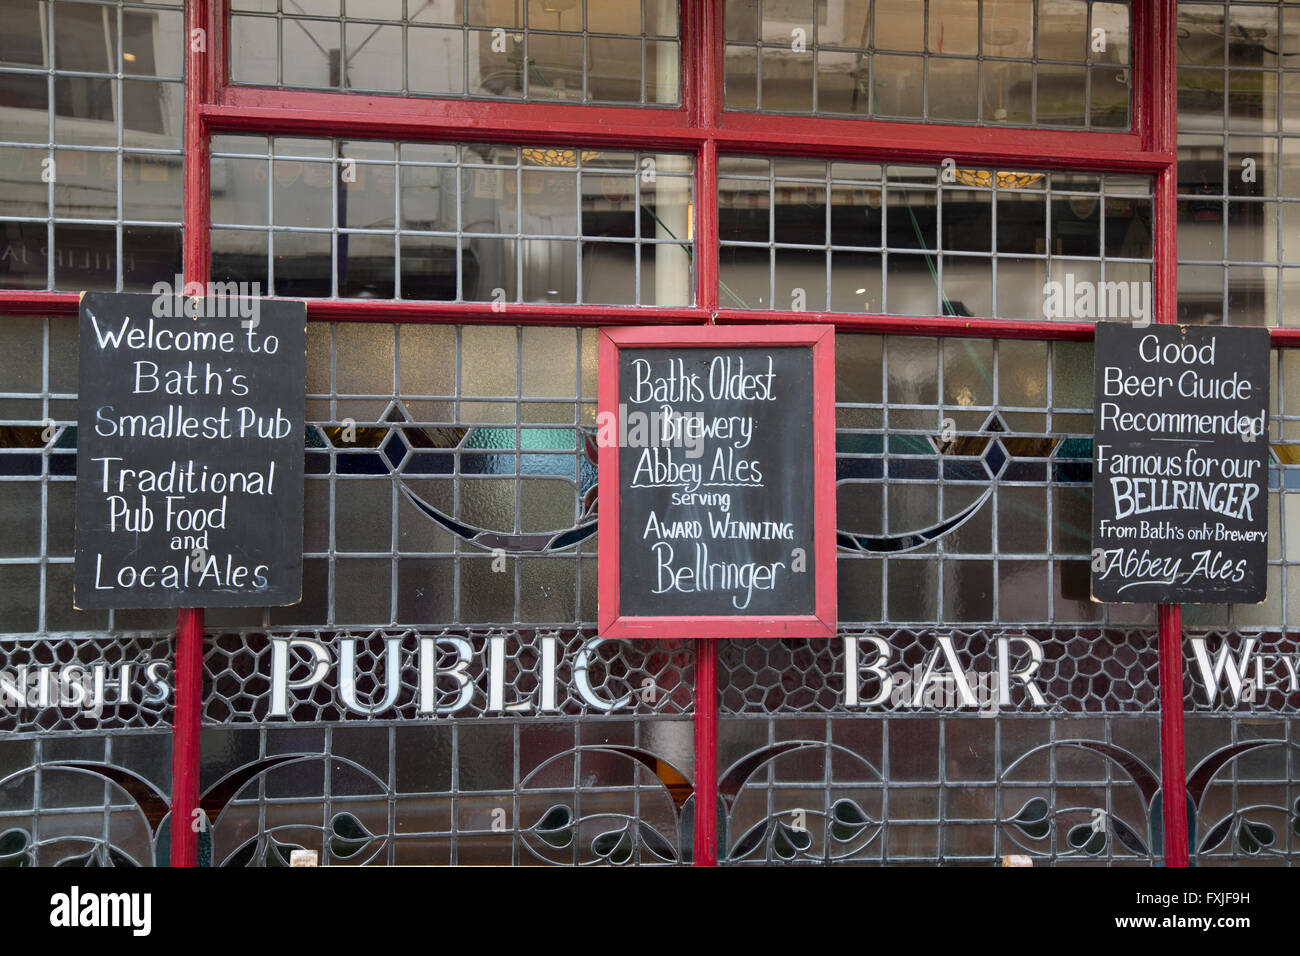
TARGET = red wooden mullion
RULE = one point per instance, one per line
(188, 664)
(219, 62)
(188, 658)
(1145, 91)
(23, 302)
(1173, 769)
(706, 230)
(711, 76)
(703, 63)
(1163, 79)
(706, 754)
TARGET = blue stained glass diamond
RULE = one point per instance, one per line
(995, 458)
(395, 448)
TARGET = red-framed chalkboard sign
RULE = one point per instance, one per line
(717, 482)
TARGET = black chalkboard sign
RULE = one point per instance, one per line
(1180, 464)
(721, 456)
(189, 452)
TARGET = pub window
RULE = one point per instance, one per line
(583, 51)
(920, 240)
(368, 219)
(1238, 163)
(1040, 63)
(90, 146)
(450, 462)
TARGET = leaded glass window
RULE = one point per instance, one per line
(603, 51)
(1040, 63)
(468, 223)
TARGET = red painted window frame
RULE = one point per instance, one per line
(699, 125)
(822, 622)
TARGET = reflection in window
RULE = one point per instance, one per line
(103, 83)
(1238, 163)
(603, 51)
(468, 223)
(807, 235)
(1042, 63)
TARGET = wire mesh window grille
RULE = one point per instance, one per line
(90, 145)
(921, 240)
(371, 219)
(1082, 670)
(1238, 162)
(622, 52)
(992, 62)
